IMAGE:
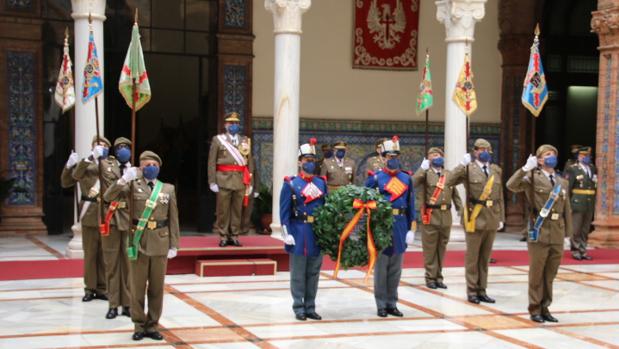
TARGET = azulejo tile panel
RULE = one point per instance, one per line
(234, 13)
(235, 85)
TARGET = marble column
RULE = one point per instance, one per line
(287, 22)
(605, 22)
(85, 118)
(459, 18)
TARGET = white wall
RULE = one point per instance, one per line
(330, 88)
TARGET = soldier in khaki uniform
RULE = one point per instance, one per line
(377, 161)
(327, 153)
(475, 174)
(574, 149)
(582, 185)
(87, 174)
(229, 175)
(66, 178)
(547, 194)
(435, 225)
(158, 243)
(115, 242)
(339, 170)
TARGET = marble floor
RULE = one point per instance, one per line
(255, 312)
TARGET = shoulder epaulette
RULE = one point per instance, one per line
(324, 178)
(288, 178)
(370, 173)
(407, 172)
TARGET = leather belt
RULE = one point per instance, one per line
(153, 224)
(443, 207)
(398, 211)
(305, 219)
(487, 203)
(121, 204)
(583, 191)
(86, 198)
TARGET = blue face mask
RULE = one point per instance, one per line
(234, 129)
(586, 160)
(309, 167)
(550, 161)
(106, 152)
(393, 164)
(328, 154)
(150, 172)
(484, 156)
(340, 153)
(123, 154)
(438, 162)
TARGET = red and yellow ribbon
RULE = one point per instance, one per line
(361, 207)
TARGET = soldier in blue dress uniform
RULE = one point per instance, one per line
(300, 196)
(397, 187)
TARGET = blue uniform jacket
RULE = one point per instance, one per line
(292, 213)
(406, 203)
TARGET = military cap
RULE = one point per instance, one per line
(326, 147)
(544, 148)
(436, 150)
(121, 140)
(149, 155)
(584, 150)
(102, 139)
(482, 143)
(575, 147)
(391, 146)
(308, 149)
(339, 145)
(232, 117)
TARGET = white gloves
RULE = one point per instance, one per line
(425, 164)
(214, 188)
(256, 194)
(73, 159)
(567, 244)
(288, 239)
(595, 178)
(97, 152)
(171, 253)
(466, 159)
(130, 174)
(531, 163)
(501, 225)
(410, 238)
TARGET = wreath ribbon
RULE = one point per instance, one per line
(361, 207)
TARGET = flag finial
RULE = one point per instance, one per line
(136, 15)
(537, 31)
(89, 18)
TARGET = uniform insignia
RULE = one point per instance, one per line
(396, 188)
(140, 190)
(348, 169)
(164, 198)
(311, 192)
(109, 169)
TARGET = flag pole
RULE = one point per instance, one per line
(101, 213)
(133, 112)
(76, 202)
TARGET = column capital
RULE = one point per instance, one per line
(82, 8)
(459, 18)
(287, 14)
(605, 23)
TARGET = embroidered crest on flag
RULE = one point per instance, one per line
(134, 69)
(93, 83)
(425, 98)
(535, 90)
(65, 89)
(464, 95)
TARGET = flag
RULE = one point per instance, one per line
(134, 69)
(93, 84)
(65, 90)
(464, 94)
(535, 90)
(425, 98)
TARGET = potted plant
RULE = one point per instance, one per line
(263, 210)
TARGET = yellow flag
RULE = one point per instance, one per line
(464, 94)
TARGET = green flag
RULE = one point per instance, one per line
(134, 70)
(425, 99)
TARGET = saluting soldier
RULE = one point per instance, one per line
(435, 211)
(229, 175)
(547, 195)
(66, 178)
(300, 196)
(339, 170)
(87, 174)
(582, 185)
(377, 161)
(483, 216)
(397, 187)
(154, 239)
(574, 149)
(327, 153)
(115, 241)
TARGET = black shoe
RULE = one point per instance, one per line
(126, 312)
(432, 285)
(154, 335)
(137, 336)
(300, 317)
(537, 318)
(473, 299)
(100, 296)
(112, 313)
(394, 312)
(235, 243)
(88, 297)
(223, 243)
(382, 312)
(314, 316)
(523, 239)
(577, 257)
(587, 257)
(486, 299)
(492, 260)
(549, 318)
(440, 284)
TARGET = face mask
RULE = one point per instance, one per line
(150, 172)
(123, 154)
(234, 129)
(586, 160)
(438, 162)
(340, 153)
(105, 153)
(309, 167)
(393, 164)
(550, 161)
(328, 154)
(484, 156)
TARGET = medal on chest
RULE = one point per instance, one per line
(396, 188)
(311, 192)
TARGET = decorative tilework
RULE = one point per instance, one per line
(603, 170)
(235, 85)
(616, 141)
(361, 137)
(19, 4)
(234, 13)
(22, 126)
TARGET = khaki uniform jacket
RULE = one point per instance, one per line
(338, 175)
(489, 217)
(121, 217)
(87, 174)
(66, 178)
(579, 179)
(375, 163)
(219, 155)
(552, 231)
(155, 242)
(425, 182)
